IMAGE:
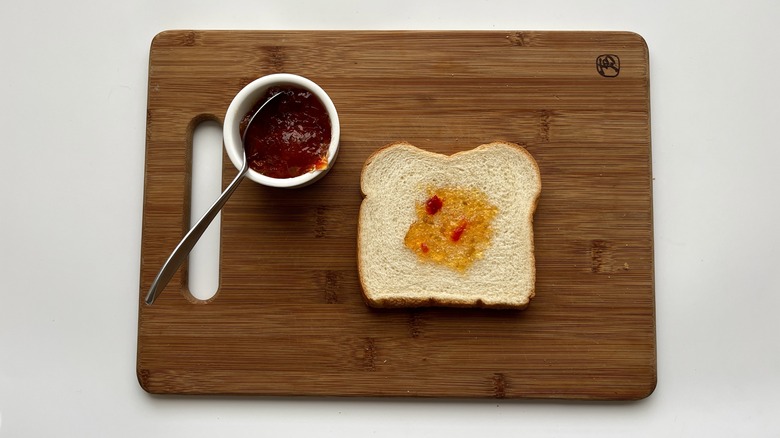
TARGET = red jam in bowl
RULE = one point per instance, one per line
(289, 138)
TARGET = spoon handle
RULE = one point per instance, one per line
(184, 247)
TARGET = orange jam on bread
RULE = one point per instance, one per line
(453, 227)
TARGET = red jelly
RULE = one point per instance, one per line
(433, 205)
(458, 231)
(290, 137)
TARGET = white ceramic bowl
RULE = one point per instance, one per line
(243, 103)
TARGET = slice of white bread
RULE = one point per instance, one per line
(397, 178)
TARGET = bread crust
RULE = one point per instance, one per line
(408, 302)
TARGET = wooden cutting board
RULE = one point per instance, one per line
(288, 318)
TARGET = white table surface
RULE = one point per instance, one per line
(73, 79)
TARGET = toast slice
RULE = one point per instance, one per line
(499, 183)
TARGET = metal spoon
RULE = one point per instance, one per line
(184, 247)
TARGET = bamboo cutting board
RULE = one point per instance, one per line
(288, 318)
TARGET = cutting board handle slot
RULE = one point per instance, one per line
(206, 185)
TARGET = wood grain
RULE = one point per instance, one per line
(288, 318)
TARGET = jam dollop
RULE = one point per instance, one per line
(453, 227)
(290, 137)
(433, 205)
(457, 232)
